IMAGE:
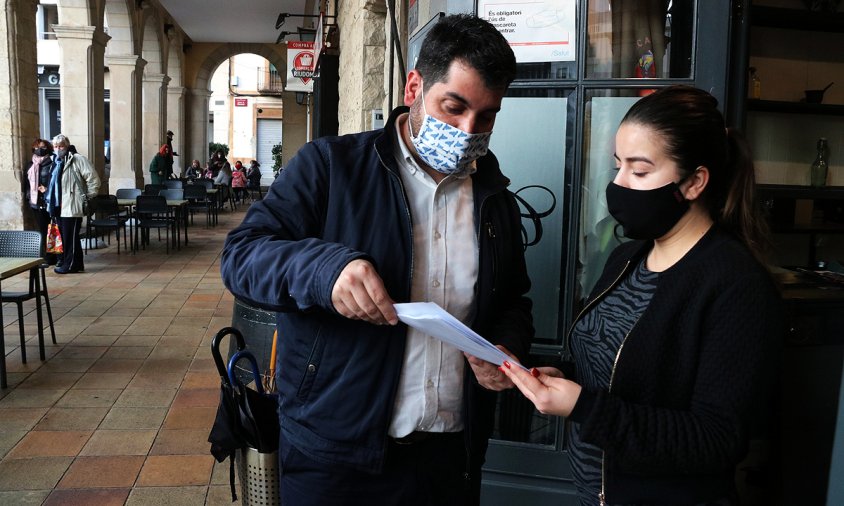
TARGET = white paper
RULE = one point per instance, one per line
(431, 319)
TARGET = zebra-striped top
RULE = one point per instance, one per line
(594, 343)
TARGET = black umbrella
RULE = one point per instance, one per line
(245, 418)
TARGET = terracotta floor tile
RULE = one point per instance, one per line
(122, 365)
(124, 418)
(220, 495)
(83, 398)
(197, 398)
(176, 470)
(8, 440)
(149, 325)
(201, 380)
(143, 397)
(135, 341)
(165, 366)
(51, 380)
(81, 352)
(156, 380)
(128, 352)
(24, 497)
(89, 340)
(102, 472)
(181, 442)
(69, 364)
(190, 418)
(78, 419)
(176, 496)
(119, 442)
(166, 352)
(21, 418)
(31, 398)
(94, 380)
(50, 444)
(88, 497)
(32, 474)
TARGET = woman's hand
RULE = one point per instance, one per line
(545, 387)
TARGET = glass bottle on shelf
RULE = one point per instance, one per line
(754, 85)
(820, 166)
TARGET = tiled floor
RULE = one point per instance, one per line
(119, 413)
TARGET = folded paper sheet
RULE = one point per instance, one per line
(431, 319)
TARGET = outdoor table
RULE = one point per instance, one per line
(12, 266)
(179, 206)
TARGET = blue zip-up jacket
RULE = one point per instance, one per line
(340, 199)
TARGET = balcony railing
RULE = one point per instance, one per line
(269, 81)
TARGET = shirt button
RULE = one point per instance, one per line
(429, 383)
(435, 284)
(437, 234)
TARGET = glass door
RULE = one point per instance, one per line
(579, 70)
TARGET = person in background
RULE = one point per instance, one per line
(253, 175)
(38, 172)
(161, 166)
(72, 181)
(207, 173)
(238, 180)
(194, 170)
(373, 412)
(218, 161)
(676, 349)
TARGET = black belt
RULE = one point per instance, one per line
(419, 436)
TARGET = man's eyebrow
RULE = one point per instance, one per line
(460, 98)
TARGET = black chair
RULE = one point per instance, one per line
(173, 194)
(153, 189)
(128, 193)
(207, 183)
(173, 184)
(106, 216)
(28, 244)
(152, 211)
(197, 197)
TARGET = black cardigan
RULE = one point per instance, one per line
(696, 365)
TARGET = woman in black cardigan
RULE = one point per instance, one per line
(677, 345)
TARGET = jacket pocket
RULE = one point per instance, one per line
(311, 367)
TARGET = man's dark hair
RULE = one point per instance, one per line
(471, 40)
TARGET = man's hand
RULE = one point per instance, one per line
(359, 294)
(488, 374)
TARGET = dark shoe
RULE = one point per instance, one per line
(60, 270)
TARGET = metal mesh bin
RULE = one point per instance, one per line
(258, 473)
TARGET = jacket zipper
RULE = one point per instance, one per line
(602, 495)
(588, 307)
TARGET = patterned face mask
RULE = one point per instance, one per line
(445, 148)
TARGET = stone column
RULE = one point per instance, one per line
(154, 115)
(82, 66)
(361, 63)
(197, 125)
(126, 162)
(18, 108)
(175, 120)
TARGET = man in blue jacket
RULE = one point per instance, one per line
(373, 412)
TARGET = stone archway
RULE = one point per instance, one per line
(208, 57)
(155, 81)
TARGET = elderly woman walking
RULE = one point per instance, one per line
(72, 182)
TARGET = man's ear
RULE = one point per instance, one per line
(413, 87)
(696, 182)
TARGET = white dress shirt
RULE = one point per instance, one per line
(445, 271)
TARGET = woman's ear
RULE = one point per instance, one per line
(696, 183)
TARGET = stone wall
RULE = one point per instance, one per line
(363, 42)
(18, 107)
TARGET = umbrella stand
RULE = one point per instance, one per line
(246, 427)
(258, 419)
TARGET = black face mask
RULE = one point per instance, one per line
(646, 214)
(40, 151)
